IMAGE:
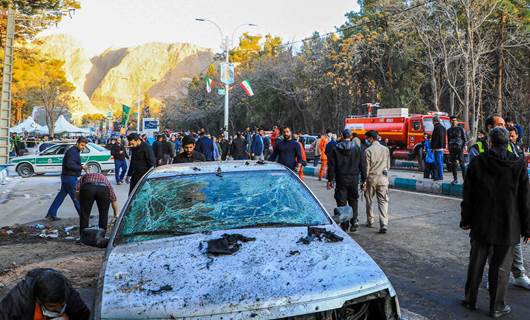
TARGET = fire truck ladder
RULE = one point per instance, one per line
(5, 99)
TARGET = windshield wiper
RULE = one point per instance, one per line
(273, 224)
(157, 233)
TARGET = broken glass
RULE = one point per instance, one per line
(209, 202)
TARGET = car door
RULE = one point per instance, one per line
(85, 154)
(51, 160)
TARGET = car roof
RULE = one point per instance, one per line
(214, 167)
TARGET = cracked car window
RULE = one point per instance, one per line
(209, 202)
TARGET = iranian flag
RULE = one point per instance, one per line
(209, 84)
(248, 89)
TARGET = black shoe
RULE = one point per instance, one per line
(454, 182)
(469, 306)
(369, 225)
(501, 313)
(382, 230)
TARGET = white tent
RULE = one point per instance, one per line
(29, 126)
(63, 126)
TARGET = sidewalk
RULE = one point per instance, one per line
(413, 181)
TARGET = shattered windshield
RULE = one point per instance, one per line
(180, 205)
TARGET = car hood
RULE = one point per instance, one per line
(174, 277)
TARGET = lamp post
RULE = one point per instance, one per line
(225, 42)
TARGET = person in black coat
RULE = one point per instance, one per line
(438, 144)
(162, 150)
(457, 140)
(118, 152)
(496, 208)
(345, 165)
(238, 149)
(43, 294)
(189, 154)
(142, 159)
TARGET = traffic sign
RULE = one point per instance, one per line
(221, 91)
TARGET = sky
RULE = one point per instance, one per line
(101, 24)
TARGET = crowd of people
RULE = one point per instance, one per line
(495, 206)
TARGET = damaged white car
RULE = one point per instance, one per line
(235, 240)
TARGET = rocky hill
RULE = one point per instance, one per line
(160, 70)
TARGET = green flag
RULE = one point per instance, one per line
(125, 110)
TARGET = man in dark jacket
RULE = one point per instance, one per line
(225, 147)
(163, 150)
(496, 208)
(457, 140)
(71, 169)
(438, 138)
(142, 159)
(514, 146)
(189, 154)
(205, 146)
(287, 151)
(257, 147)
(43, 294)
(344, 167)
(118, 152)
(238, 150)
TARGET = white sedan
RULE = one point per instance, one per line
(235, 240)
(97, 159)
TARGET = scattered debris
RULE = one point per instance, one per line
(49, 234)
(167, 287)
(228, 244)
(94, 237)
(315, 233)
(294, 253)
(219, 173)
(260, 162)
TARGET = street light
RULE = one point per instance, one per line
(225, 42)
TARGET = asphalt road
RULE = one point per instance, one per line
(424, 254)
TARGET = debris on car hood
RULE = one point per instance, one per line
(315, 233)
(265, 276)
(226, 245)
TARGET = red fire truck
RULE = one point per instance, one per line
(403, 131)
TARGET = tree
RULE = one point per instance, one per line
(33, 16)
(47, 86)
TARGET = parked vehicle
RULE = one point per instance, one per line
(403, 131)
(98, 159)
(167, 257)
(308, 140)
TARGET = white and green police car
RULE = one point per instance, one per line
(97, 159)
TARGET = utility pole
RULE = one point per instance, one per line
(5, 99)
(227, 86)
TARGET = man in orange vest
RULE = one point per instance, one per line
(323, 157)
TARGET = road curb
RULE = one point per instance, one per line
(410, 184)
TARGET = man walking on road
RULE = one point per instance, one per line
(496, 208)
(118, 152)
(71, 169)
(95, 187)
(457, 140)
(142, 159)
(287, 151)
(438, 138)
(345, 164)
(163, 150)
(189, 154)
(377, 159)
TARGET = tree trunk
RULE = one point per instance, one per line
(500, 64)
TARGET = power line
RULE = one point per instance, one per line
(358, 25)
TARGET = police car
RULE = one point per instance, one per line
(97, 159)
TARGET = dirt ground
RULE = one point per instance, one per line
(24, 247)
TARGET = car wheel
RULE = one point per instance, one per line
(25, 170)
(93, 168)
